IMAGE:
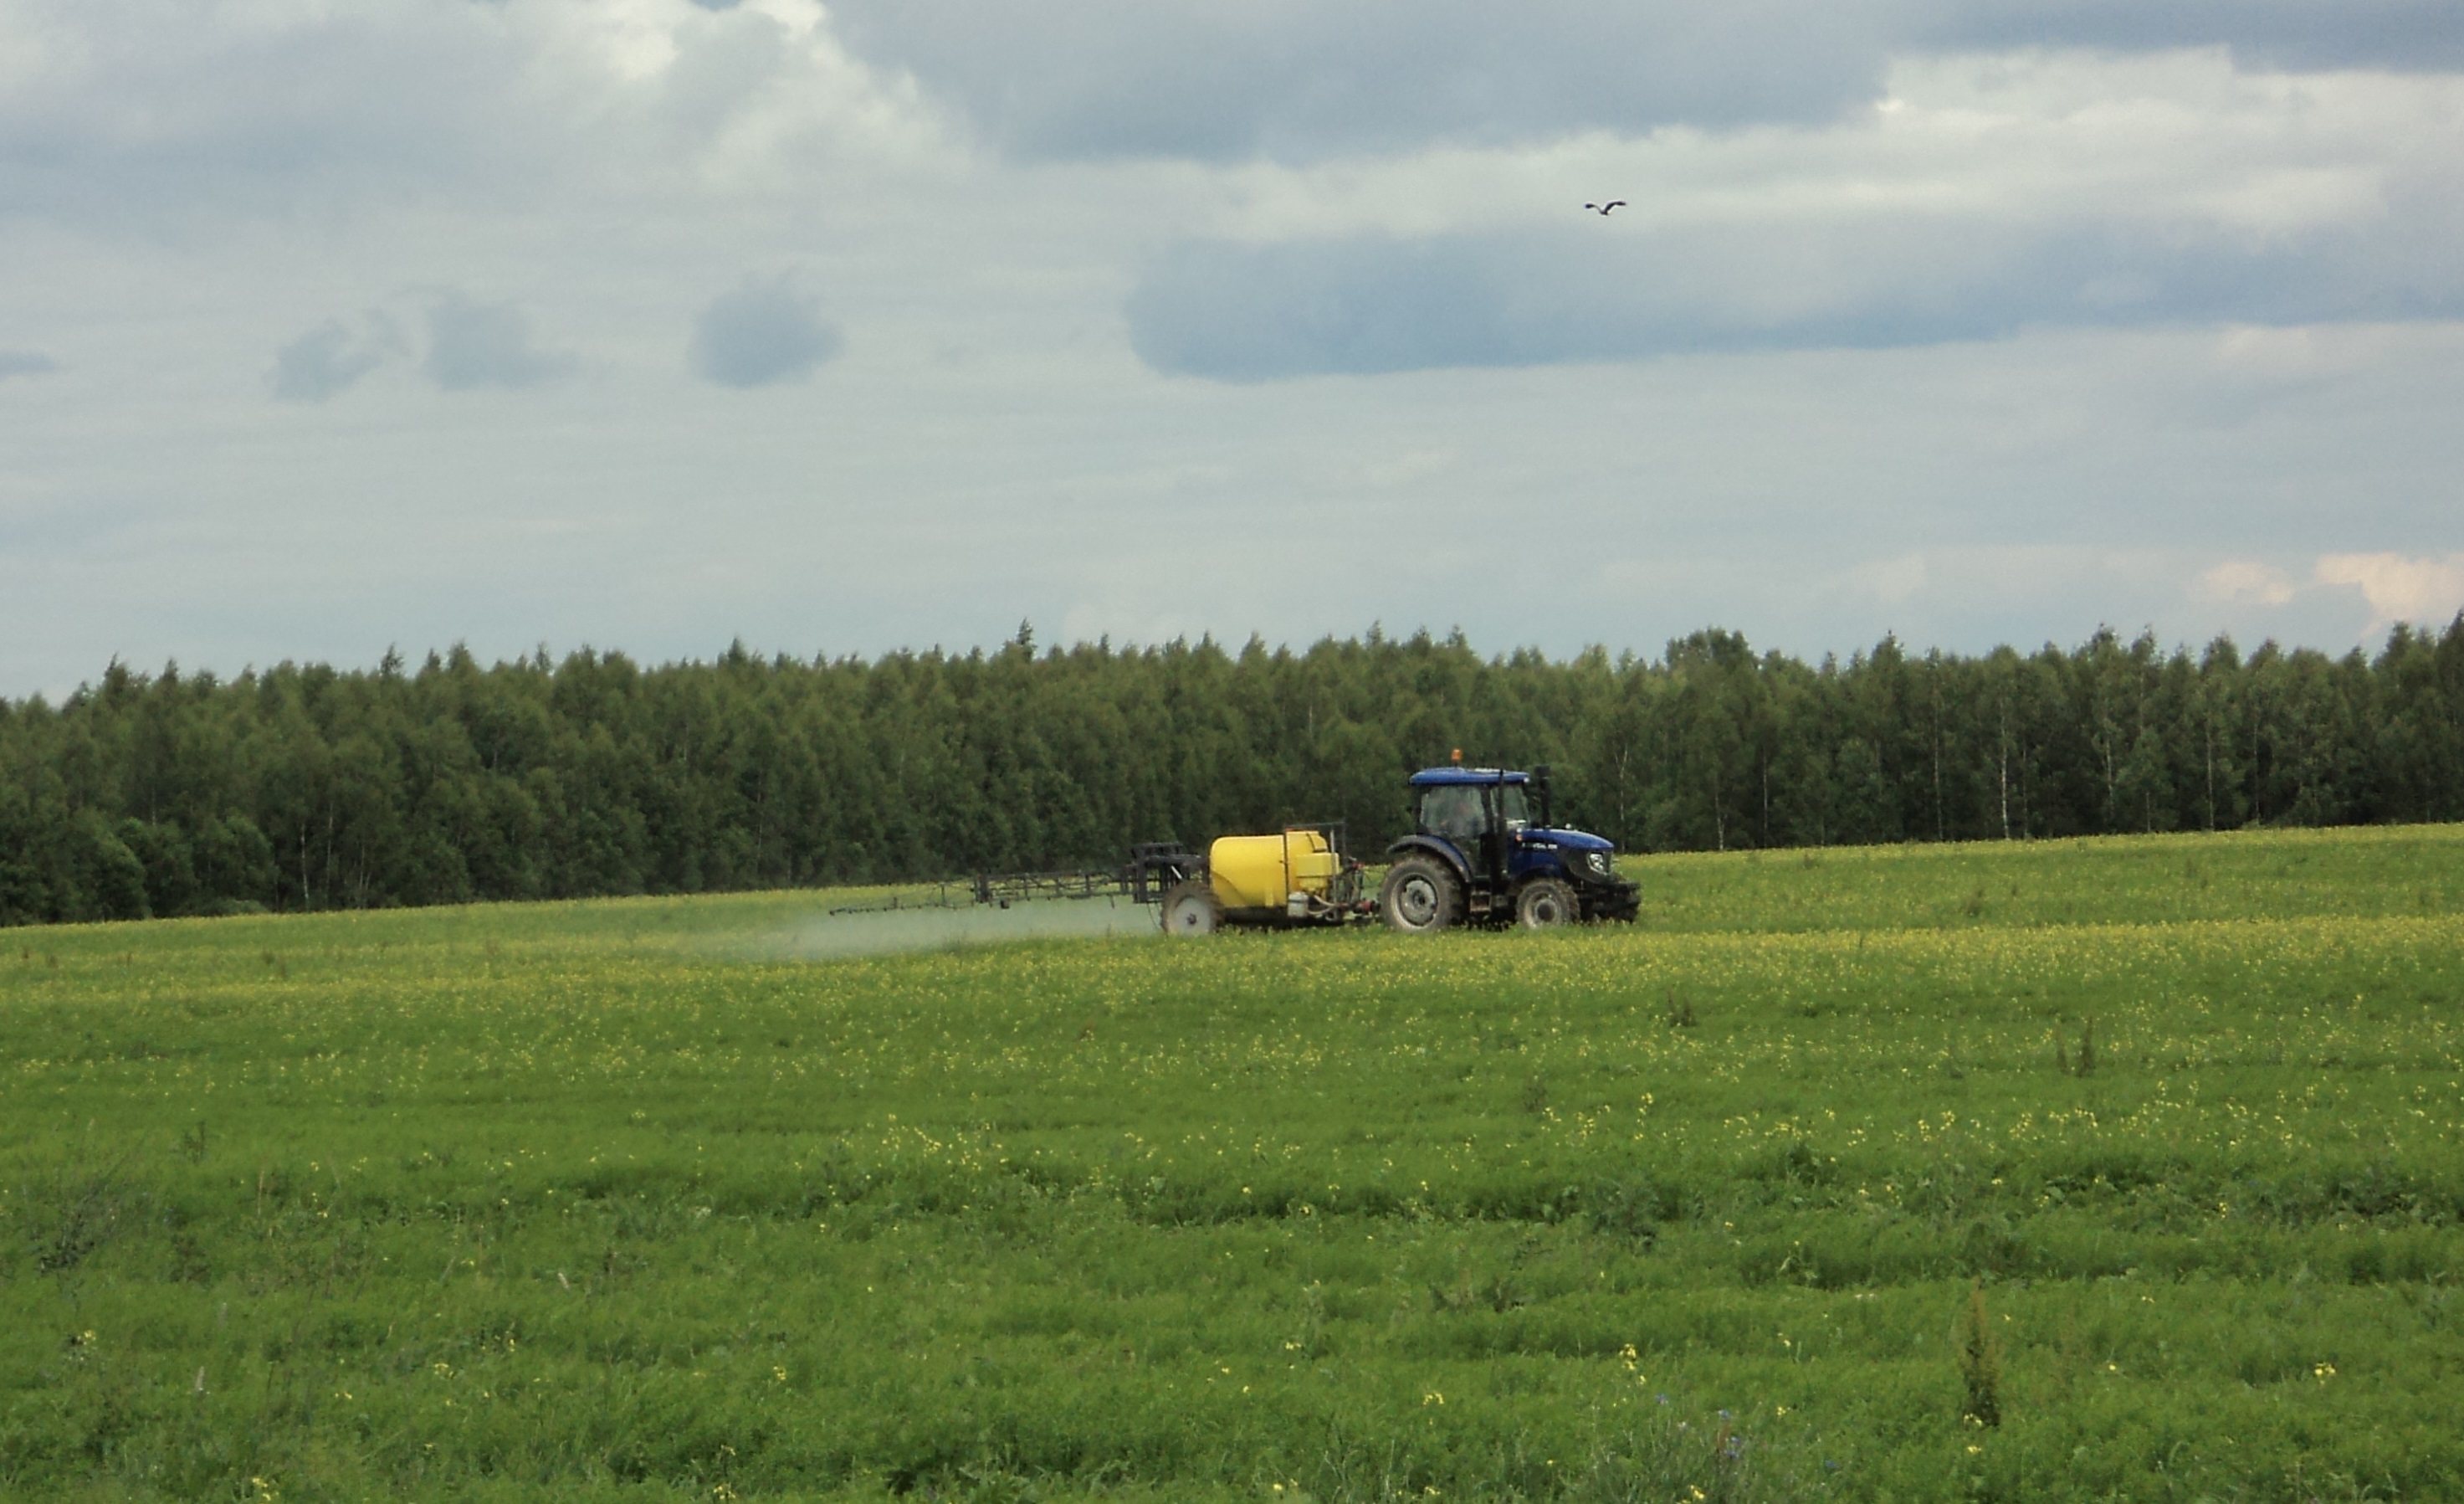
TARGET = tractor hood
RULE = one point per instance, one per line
(1572, 840)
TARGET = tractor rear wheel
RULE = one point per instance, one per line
(1422, 895)
(1545, 903)
(1191, 908)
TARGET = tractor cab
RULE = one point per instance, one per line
(1488, 851)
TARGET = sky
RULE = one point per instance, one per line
(332, 328)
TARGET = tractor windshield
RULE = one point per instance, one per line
(1454, 811)
(1459, 811)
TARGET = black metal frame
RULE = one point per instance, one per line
(900, 903)
(1154, 867)
(1343, 896)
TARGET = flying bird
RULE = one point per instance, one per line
(1602, 210)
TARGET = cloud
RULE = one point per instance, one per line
(474, 345)
(1993, 194)
(2300, 34)
(1889, 580)
(2425, 591)
(1404, 470)
(1312, 79)
(191, 186)
(1241, 312)
(2239, 581)
(761, 334)
(163, 103)
(1969, 578)
(25, 362)
(167, 112)
(329, 359)
(1305, 79)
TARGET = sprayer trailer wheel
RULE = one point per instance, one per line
(1191, 908)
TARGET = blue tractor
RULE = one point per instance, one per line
(1487, 852)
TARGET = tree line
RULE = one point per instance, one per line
(303, 787)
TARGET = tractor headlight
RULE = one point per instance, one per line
(1595, 864)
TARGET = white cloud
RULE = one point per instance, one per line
(2397, 587)
(2240, 579)
(1947, 580)
(1890, 580)
(2424, 591)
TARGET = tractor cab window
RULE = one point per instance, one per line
(1453, 811)
(1518, 808)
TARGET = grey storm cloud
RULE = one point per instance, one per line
(474, 345)
(25, 362)
(166, 103)
(161, 105)
(329, 359)
(1247, 313)
(761, 334)
(2402, 35)
(1303, 78)
(1300, 79)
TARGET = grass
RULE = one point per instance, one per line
(1753, 1200)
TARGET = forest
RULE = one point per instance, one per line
(305, 788)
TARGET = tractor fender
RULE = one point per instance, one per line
(1443, 851)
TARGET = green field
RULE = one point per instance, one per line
(2150, 1147)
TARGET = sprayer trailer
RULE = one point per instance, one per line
(1298, 878)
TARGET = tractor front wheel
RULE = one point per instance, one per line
(1545, 903)
(1191, 908)
(1422, 895)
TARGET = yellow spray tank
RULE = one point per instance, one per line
(1297, 877)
